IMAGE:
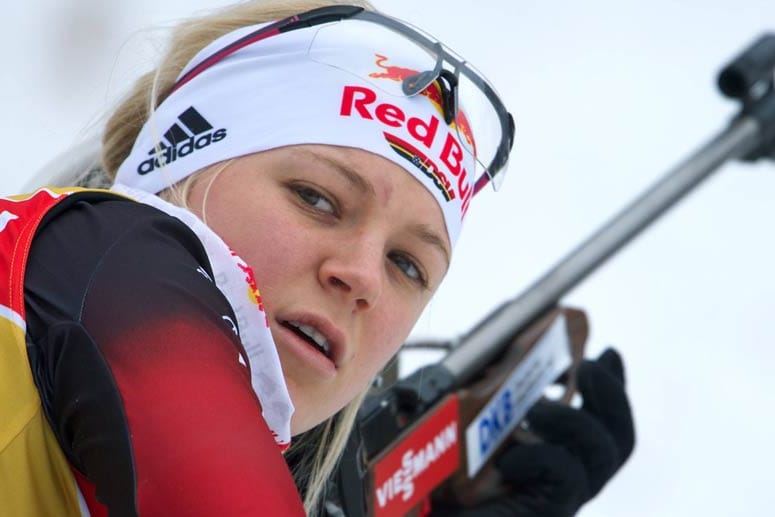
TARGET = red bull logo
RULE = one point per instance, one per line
(253, 293)
(432, 93)
(361, 101)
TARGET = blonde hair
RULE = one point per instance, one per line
(187, 39)
(319, 449)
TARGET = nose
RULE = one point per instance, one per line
(354, 271)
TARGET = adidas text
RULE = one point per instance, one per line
(170, 154)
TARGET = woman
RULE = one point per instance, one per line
(288, 150)
(325, 157)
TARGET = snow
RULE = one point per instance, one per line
(607, 96)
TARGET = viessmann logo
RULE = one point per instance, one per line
(425, 458)
(191, 133)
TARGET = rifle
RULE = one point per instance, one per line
(438, 429)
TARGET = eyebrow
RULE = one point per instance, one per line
(427, 235)
(350, 174)
(422, 231)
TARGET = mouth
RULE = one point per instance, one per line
(311, 335)
(317, 339)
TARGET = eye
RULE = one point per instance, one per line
(314, 199)
(409, 268)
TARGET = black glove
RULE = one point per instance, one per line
(581, 449)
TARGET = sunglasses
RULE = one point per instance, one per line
(466, 98)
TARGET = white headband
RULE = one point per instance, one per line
(271, 94)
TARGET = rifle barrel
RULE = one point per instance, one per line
(483, 343)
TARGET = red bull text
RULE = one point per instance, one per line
(362, 101)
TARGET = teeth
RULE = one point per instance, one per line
(314, 335)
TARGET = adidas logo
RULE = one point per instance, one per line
(178, 142)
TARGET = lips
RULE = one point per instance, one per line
(311, 335)
(318, 332)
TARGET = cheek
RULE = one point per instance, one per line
(388, 334)
(278, 257)
(268, 240)
(252, 219)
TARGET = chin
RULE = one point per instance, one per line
(298, 426)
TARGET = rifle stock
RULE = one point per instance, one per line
(428, 452)
(462, 489)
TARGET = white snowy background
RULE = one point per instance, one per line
(607, 95)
